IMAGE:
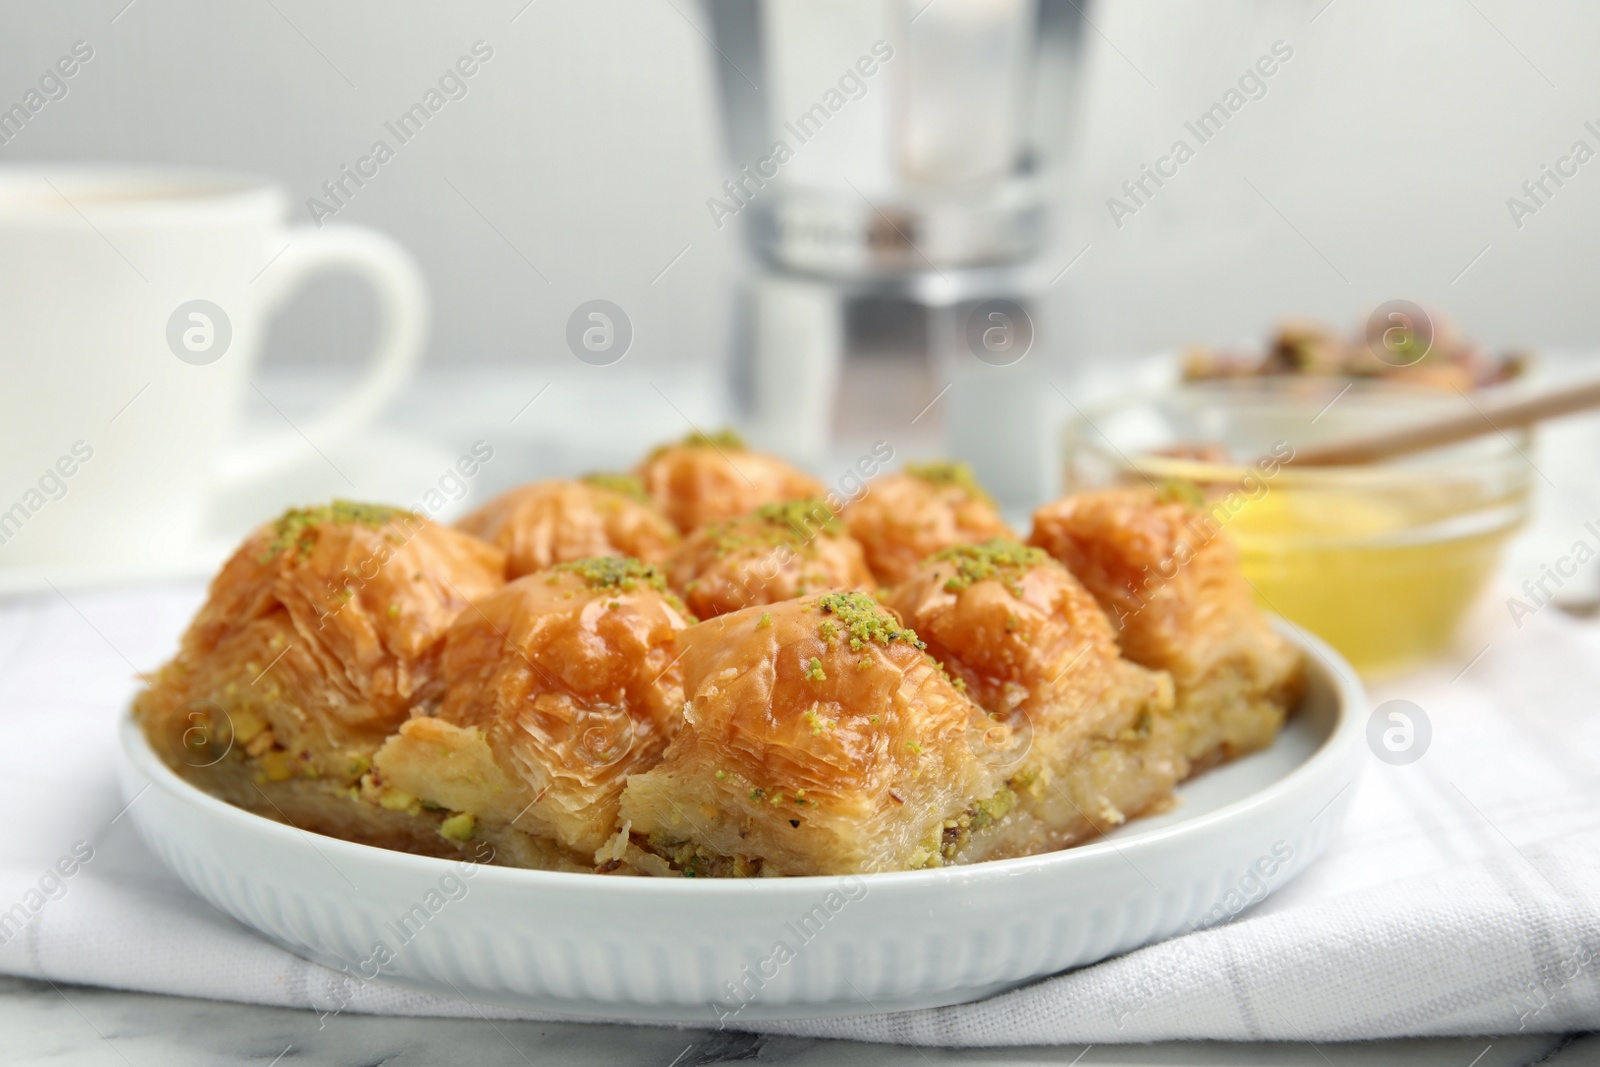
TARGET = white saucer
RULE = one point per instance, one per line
(380, 466)
(197, 565)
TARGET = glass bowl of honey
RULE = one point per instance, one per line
(1383, 561)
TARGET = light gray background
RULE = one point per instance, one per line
(1380, 160)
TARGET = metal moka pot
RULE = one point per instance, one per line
(893, 154)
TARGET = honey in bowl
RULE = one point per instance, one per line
(1382, 561)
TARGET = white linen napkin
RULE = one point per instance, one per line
(1462, 895)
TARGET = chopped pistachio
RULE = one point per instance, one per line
(946, 472)
(246, 725)
(997, 558)
(460, 826)
(865, 619)
(803, 518)
(725, 439)
(614, 572)
(817, 723)
(276, 766)
(619, 572)
(397, 800)
(297, 527)
(627, 485)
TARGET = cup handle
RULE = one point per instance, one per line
(402, 326)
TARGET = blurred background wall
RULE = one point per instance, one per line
(1378, 164)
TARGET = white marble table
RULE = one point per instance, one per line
(42, 1024)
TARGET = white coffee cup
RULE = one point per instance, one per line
(132, 306)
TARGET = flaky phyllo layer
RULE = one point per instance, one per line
(818, 737)
(556, 689)
(318, 637)
(362, 672)
(1083, 737)
(1170, 581)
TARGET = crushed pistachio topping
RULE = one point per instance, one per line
(794, 523)
(725, 438)
(765, 620)
(614, 572)
(623, 484)
(829, 632)
(296, 527)
(944, 672)
(865, 620)
(818, 724)
(814, 671)
(914, 747)
(997, 558)
(807, 518)
(621, 573)
(948, 472)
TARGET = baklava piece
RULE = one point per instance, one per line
(315, 640)
(818, 738)
(707, 477)
(907, 516)
(1170, 580)
(1084, 739)
(559, 521)
(555, 689)
(780, 552)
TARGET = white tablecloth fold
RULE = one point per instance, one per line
(1462, 896)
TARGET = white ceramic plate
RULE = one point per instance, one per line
(677, 950)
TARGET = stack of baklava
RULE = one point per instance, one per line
(700, 669)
